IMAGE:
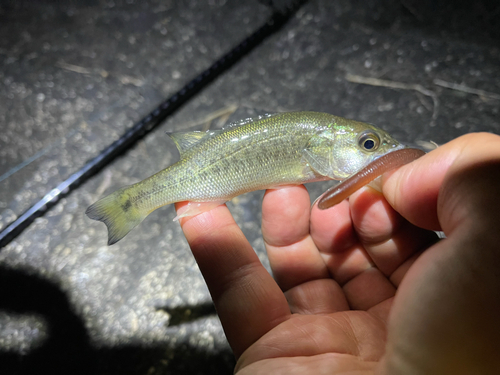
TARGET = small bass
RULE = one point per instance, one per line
(273, 150)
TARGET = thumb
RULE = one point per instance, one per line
(426, 192)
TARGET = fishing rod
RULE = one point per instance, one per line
(281, 14)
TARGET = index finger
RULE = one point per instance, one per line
(292, 253)
(247, 299)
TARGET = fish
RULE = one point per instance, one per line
(289, 148)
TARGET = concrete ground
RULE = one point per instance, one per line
(75, 75)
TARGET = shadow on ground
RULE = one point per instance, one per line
(67, 349)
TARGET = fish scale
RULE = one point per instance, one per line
(281, 149)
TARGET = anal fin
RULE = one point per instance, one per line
(196, 208)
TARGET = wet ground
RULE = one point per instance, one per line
(74, 76)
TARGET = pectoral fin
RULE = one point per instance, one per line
(319, 157)
(321, 164)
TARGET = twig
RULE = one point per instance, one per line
(80, 69)
(73, 68)
(424, 102)
(412, 10)
(105, 183)
(398, 85)
(207, 120)
(467, 89)
(126, 80)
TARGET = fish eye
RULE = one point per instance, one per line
(369, 141)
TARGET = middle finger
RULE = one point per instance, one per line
(292, 254)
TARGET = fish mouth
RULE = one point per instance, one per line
(395, 147)
(426, 146)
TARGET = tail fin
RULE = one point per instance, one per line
(118, 213)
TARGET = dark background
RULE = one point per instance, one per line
(74, 75)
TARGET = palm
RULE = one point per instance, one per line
(338, 269)
(337, 343)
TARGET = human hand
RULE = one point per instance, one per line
(332, 307)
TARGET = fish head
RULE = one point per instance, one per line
(356, 145)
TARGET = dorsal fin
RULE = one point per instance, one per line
(247, 120)
(186, 140)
